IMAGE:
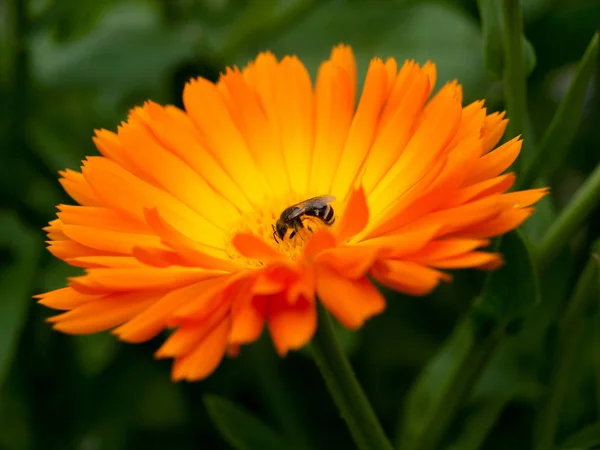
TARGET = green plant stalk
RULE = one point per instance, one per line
(570, 337)
(514, 68)
(345, 389)
(570, 219)
(463, 381)
(553, 148)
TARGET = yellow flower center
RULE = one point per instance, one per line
(263, 224)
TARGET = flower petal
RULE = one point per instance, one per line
(102, 314)
(355, 217)
(352, 302)
(407, 277)
(251, 246)
(205, 357)
(362, 129)
(291, 325)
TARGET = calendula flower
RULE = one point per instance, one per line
(182, 223)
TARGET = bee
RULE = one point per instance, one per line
(292, 217)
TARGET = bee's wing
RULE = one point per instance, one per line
(300, 208)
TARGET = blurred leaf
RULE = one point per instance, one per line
(553, 148)
(20, 249)
(240, 428)
(570, 219)
(493, 48)
(571, 334)
(586, 438)
(478, 424)
(127, 50)
(501, 300)
(449, 377)
(404, 30)
(159, 402)
(95, 352)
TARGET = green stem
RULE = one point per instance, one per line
(514, 67)
(581, 205)
(569, 344)
(345, 389)
(482, 349)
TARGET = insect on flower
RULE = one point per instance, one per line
(293, 216)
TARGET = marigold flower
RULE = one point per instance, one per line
(175, 226)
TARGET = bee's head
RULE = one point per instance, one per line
(280, 228)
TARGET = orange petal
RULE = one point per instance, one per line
(497, 185)
(248, 315)
(521, 199)
(407, 277)
(350, 301)
(108, 240)
(99, 217)
(130, 196)
(500, 224)
(104, 261)
(205, 357)
(492, 131)
(253, 247)
(495, 162)
(68, 249)
(362, 129)
(404, 241)
(154, 319)
(351, 261)
(321, 240)
(446, 248)
(78, 189)
(100, 315)
(355, 217)
(65, 298)
(258, 132)
(195, 253)
(172, 174)
(206, 108)
(342, 56)
(174, 129)
(140, 278)
(294, 102)
(471, 259)
(397, 122)
(157, 257)
(334, 108)
(437, 126)
(291, 325)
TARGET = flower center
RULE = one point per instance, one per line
(285, 226)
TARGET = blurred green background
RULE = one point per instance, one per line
(68, 67)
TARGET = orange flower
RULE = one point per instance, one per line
(176, 223)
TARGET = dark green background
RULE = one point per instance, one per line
(69, 67)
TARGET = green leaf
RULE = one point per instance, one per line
(128, 49)
(501, 300)
(95, 352)
(478, 424)
(493, 50)
(240, 428)
(586, 438)
(554, 146)
(21, 248)
(448, 379)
